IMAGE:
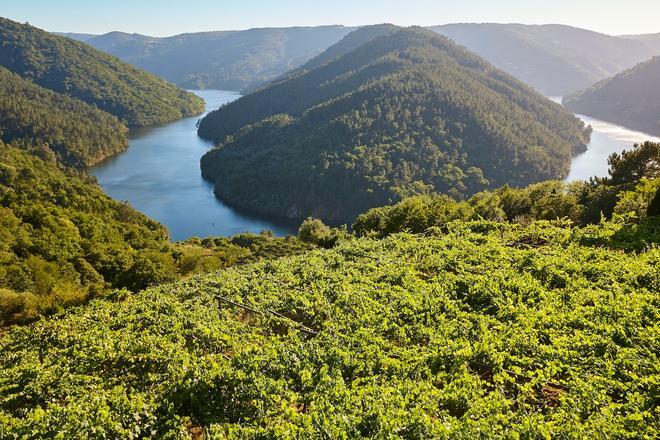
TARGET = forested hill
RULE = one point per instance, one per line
(78, 133)
(80, 71)
(555, 59)
(631, 99)
(405, 113)
(229, 60)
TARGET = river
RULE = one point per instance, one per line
(159, 175)
(607, 138)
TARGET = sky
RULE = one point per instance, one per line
(170, 17)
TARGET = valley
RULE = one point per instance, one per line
(328, 231)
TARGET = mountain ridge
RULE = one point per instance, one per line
(380, 108)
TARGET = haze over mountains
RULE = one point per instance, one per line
(556, 60)
(631, 98)
(406, 112)
(229, 60)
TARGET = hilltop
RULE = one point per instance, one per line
(557, 60)
(228, 60)
(404, 113)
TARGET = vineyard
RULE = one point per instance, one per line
(472, 330)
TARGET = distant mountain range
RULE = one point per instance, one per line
(557, 60)
(631, 98)
(231, 60)
(406, 112)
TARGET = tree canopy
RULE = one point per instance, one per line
(78, 133)
(408, 112)
(75, 69)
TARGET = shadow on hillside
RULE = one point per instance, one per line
(630, 237)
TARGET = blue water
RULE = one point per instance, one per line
(160, 175)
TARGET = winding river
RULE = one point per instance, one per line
(159, 175)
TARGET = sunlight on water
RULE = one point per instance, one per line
(607, 138)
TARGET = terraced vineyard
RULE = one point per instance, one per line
(473, 330)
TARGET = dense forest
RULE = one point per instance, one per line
(631, 99)
(555, 59)
(227, 60)
(78, 133)
(75, 69)
(409, 112)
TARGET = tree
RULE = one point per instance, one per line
(643, 161)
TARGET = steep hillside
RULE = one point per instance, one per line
(405, 113)
(556, 60)
(229, 60)
(484, 330)
(76, 69)
(631, 99)
(62, 241)
(80, 134)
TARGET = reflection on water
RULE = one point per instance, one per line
(607, 138)
(159, 175)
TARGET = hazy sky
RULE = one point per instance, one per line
(168, 17)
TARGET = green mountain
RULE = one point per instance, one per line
(80, 71)
(229, 60)
(80, 134)
(408, 112)
(557, 60)
(631, 99)
(475, 330)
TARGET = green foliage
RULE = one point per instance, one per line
(639, 200)
(80, 71)
(631, 98)
(78, 133)
(641, 162)
(62, 241)
(486, 330)
(314, 231)
(406, 113)
(631, 189)
(654, 206)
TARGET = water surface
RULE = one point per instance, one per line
(160, 175)
(607, 138)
